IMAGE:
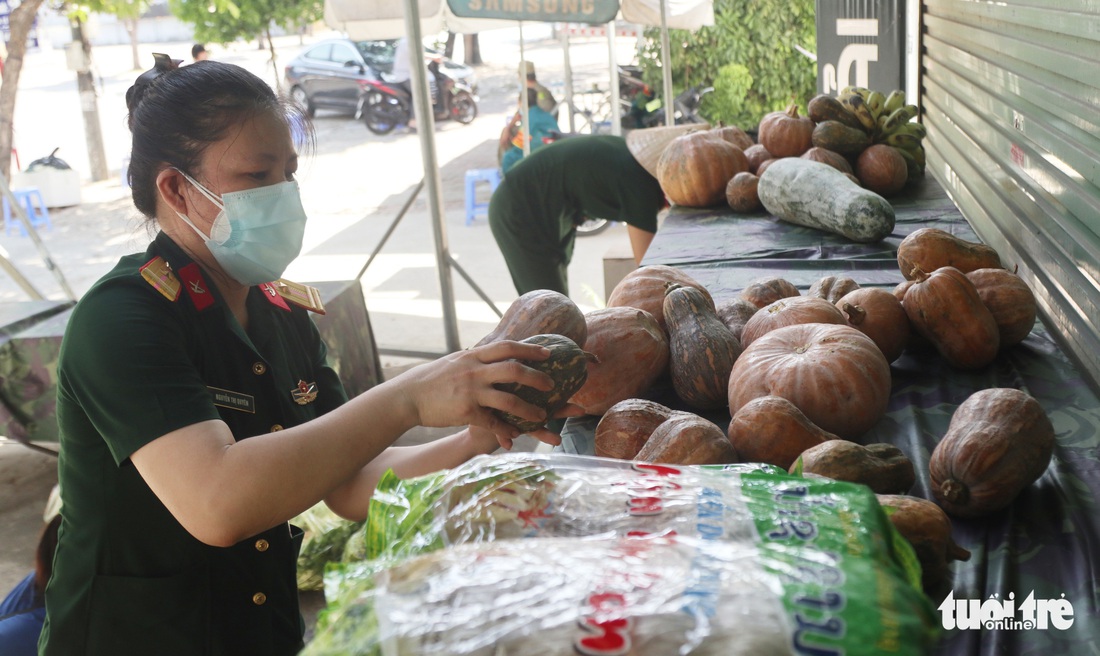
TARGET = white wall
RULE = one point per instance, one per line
(107, 30)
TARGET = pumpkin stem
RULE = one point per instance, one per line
(856, 314)
(955, 492)
(792, 110)
(591, 357)
(918, 275)
(671, 287)
(955, 552)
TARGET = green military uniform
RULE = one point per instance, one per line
(152, 348)
(534, 212)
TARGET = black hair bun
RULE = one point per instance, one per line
(162, 64)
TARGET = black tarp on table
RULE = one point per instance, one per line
(1047, 543)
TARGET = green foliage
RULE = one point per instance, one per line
(223, 21)
(748, 56)
(731, 88)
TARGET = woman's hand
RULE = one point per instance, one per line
(459, 388)
(486, 441)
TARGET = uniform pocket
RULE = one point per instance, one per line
(167, 616)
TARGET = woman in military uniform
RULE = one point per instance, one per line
(196, 410)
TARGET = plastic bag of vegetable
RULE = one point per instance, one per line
(528, 495)
(716, 563)
(326, 535)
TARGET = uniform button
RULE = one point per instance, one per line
(276, 427)
(259, 368)
(262, 545)
(259, 599)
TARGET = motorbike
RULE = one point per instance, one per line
(383, 105)
(686, 109)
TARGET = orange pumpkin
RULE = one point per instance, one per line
(832, 288)
(644, 288)
(762, 291)
(945, 308)
(878, 314)
(834, 374)
(928, 249)
(787, 312)
(741, 193)
(734, 135)
(694, 169)
(786, 134)
(631, 351)
(757, 155)
(1009, 300)
(765, 164)
(882, 169)
(833, 159)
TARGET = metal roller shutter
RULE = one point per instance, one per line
(1011, 98)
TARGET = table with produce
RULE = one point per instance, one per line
(822, 419)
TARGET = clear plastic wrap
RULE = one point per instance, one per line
(325, 537)
(539, 495)
(550, 554)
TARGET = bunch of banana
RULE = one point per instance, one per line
(888, 119)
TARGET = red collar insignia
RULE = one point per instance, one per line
(196, 286)
(273, 296)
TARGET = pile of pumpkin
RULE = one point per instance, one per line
(831, 169)
(804, 376)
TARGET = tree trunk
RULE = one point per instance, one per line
(132, 28)
(449, 49)
(20, 21)
(274, 65)
(85, 84)
(473, 49)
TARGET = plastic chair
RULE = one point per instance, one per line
(474, 176)
(31, 200)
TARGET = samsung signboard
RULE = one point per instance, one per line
(552, 11)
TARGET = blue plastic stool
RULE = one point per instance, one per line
(31, 200)
(473, 176)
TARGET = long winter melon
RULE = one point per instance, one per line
(818, 196)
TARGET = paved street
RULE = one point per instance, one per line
(352, 187)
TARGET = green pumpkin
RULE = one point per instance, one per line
(567, 365)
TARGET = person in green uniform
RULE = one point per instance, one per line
(196, 409)
(535, 211)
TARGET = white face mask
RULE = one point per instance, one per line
(257, 233)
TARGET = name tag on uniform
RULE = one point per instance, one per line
(224, 398)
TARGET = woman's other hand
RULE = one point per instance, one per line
(486, 441)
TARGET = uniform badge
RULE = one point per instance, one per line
(159, 274)
(304, 393)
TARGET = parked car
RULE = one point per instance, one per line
(332, 74)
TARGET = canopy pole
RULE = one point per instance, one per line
(526, 124)
(613, 62)
(568, 104)
(666, 67)
(425, 118)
